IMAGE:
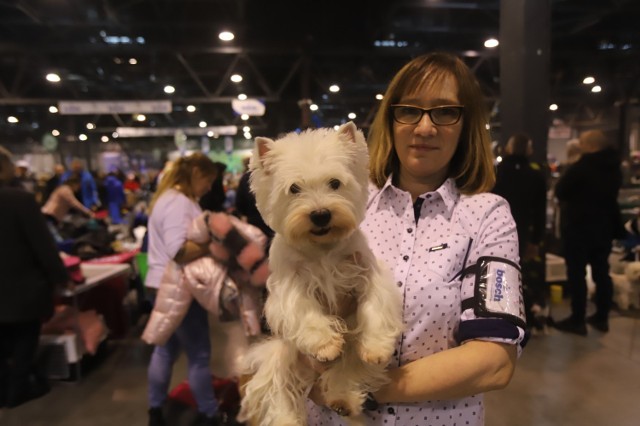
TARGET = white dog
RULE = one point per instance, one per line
(311, 188)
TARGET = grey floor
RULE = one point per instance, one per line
(561, 379)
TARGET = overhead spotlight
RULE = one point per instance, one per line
(588, 80)
(245, 117)
(499, 159)
(53, 77)
(596, 89)
(336, 127)
(246, 129)
(210, 133)
(236, 78)
(226, 36)
(334, 88)
(487, 126)
(553, 107)
(491, 43)
(133, 61)
(169, 89)
(202, 124)
(379, 96)
(247, 135)
(191, 108)
(53, 109)
(55, 132)
(242, 97)
(352, 115)
(82, 137)
(91, 126)
(313, 107)
(141, 117)
(12, 119)
(117, 60)
(105, 138)
(115, 135)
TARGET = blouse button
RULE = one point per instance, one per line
(410, 230)
(390, 410)
(405, 257)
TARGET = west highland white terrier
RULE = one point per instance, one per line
(311, 188)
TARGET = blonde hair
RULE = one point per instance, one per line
(179, 175)
(7, 168)
(472, 163)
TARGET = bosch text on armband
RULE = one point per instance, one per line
(497, 293)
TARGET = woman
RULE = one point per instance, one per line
(173, 208)
(31, 271)
(63, 199)
(429, 218)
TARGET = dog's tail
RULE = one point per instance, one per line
(275, 393)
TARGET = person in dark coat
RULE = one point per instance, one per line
(589, 190)
(53, 182)
(524, 187)
(31, 272)
(214, 199)
(246, 207)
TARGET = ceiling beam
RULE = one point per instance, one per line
(193, 75)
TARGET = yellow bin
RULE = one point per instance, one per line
(556, 293)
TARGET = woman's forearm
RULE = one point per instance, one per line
(472, 368)
(190, 251)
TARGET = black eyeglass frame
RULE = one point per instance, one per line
(428, 111)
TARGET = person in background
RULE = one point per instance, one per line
(214, 199)
(245, 206)
(114, 196)
(63, 200)
(31, 272)
(588, 192)
(53, 182)
(525, 189)
(431, 220)
(88, 189)
(24, 176)
(172, 209)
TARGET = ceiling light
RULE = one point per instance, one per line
(596, 89)
(553, 107)
(117, 60)
(91, 126)
(141, 117)
(491, 43)
(133, 61)
(487, 126)
(82, 137)
(210, 133)
(12, 119)
(202, 124)
(588, 80)
(336, 127)
(352, 115)
(52, 77)
(499, 159)
(379, 96)
(247, 135)
(191, 108)
(105, 139)
(114, 135)
(236, 78)
(53, 109)
(169, 89)
(246, 129)
(226, 36)
(242, 97)
(313, 107)
(245, 117)
(334, 88)
(54, 132)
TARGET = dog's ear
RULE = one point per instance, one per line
(347, 132)
(262, 148)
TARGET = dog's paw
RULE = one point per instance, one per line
(374, 356)
(330, 350)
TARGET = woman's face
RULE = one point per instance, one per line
(201, 183)
(425, 149)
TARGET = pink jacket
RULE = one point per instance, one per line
(237, 266)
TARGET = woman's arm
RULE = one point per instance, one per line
(473, 368)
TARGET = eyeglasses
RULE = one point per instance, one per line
(445, 115)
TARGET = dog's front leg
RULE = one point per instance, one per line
(293, 315)
(379, 317)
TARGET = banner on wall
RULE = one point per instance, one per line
(252, 107)
(142, 132)
(113, 107)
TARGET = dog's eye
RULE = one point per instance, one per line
(334, 184)
(294, 189)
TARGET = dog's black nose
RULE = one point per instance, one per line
(320, 217)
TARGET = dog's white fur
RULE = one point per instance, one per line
(314, 267)
(626, 287)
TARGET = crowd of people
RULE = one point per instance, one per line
(431, 217)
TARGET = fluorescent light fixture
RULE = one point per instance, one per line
(53, 109)
(191, 108)
(53, 77)
(334, 88)
(169, 89)
(236, 78)
(588, 80)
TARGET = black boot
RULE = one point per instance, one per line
(25, 389)
(572, 325)
(598, 323)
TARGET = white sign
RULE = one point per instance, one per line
(142, 132)
(251, 107)
(113, 107)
